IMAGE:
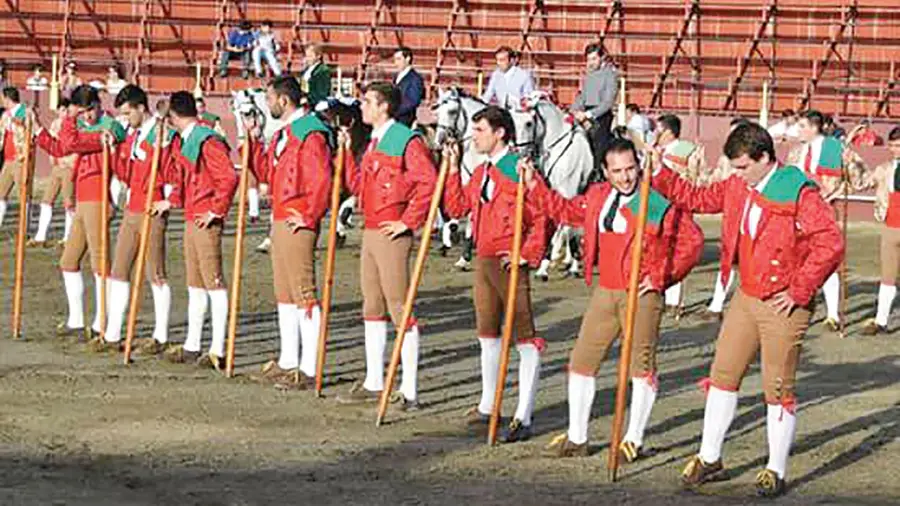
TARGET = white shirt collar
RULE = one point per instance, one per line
(379, 132)
(145, 127)
(761, 185)
(297, 114)
(510, 71)
(402, 74)
(309, 71)
(496, 158)
(187, 131)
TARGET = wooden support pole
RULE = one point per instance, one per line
(620, 116)
(238, 260)
(54, 84)
(509, 314)
(412, 290)
(25, 172)
(137, 278)
(198, 86)
(630, 315)
(764, 106)
(328, 281)
(104, 237)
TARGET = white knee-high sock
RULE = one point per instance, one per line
(832, 289)
(118, 303)
(253, 203)
(673, 295)
(310, 323)
(376, 339)
(490, 364)
(44, 222)
(581, 398)
(886, 295)
(97, 284)
(409, 358)
(289, 334)
(70, 217)
(529, 373)
(162, 303)
(721, 291)
(198, 300)
(721, 406)
(74, 284)
(780, 427)
(218, 300)
(643, 395)
(2, 211)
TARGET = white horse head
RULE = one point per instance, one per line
(252, 103)
(564, 153)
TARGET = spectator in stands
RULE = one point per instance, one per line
(315, 79)
(37, 82)
(69, 79)
(864, 135)
(238, 46)
(594, 103)
(266, 47)
(162, 108)
(785, 130)
(114, 83)
(207, 118)
(833, 128)
(638, 123)
(509, 83)
(2, 74)
(410, 84)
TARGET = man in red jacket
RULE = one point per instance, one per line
(204, 181)
(83, 132)
(784, 237)
(490, 197)
(133, 168)
(297, 168)
(394, 183)
(672, 245)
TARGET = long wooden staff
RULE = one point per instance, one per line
(23, 229)
(845, 176)
(104, 237)
(328, 283)
(412, 290)
(634, 277)
(238, 257)
(509, 315)
(144, 244)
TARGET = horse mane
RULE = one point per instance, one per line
(465, 94)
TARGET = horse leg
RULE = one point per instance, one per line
(468, 248)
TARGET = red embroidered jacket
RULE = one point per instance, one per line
(205, 185)
(135, 173)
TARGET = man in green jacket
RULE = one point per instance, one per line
(315, 79)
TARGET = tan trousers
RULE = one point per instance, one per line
(203, 256)
(128, 242)
(490, 294)
(58, 184)
(293, 265)
(384, 274)
(84, 237)
(752, 326)
(9, 175)
(890, 255)
(603, 323)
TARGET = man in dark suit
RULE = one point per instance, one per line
(410, 84)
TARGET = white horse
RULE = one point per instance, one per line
(564, 158)
(454, 109)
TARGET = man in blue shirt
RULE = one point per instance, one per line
(410, 84)
(239, 45)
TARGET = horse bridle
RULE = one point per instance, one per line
(569, 135)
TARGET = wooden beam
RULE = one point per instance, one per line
(768, 18)
(691, 14)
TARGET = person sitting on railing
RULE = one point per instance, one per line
(315, 79)
(239, 45)
(509, 83)
(37, 82)
(266, 47)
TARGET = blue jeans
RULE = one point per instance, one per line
(271, 60)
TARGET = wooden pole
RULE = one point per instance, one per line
(144, 244)
(764, 106)
(340, 83)
(620, 114)
(509, 315)
(480, 83)
(54, 84)
(845, 176)
(104, 237)
(25, 172)
(238, 257)
(328, 282)
(198, 87)
(412, 290)
(630, 314)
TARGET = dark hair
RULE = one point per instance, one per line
(497, 117)
(85, 96)
(816, 119)
(508, 50)
(38, 67)
(162, 106)
(620, 145)
(11, 93)
(245, 25)
(749, 139)
(739, 120)
(633, 108)
(182, 104)
(894, 135)
(787, 113)
(671, 123)
(406, 52)
(620, 132)
(63, 103)
(386, 92)
(199, 100)
(287, 86)
(594, 48)
(133, 95)
(267, 22)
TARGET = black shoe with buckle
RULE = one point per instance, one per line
(768, 484)
(516, 432)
